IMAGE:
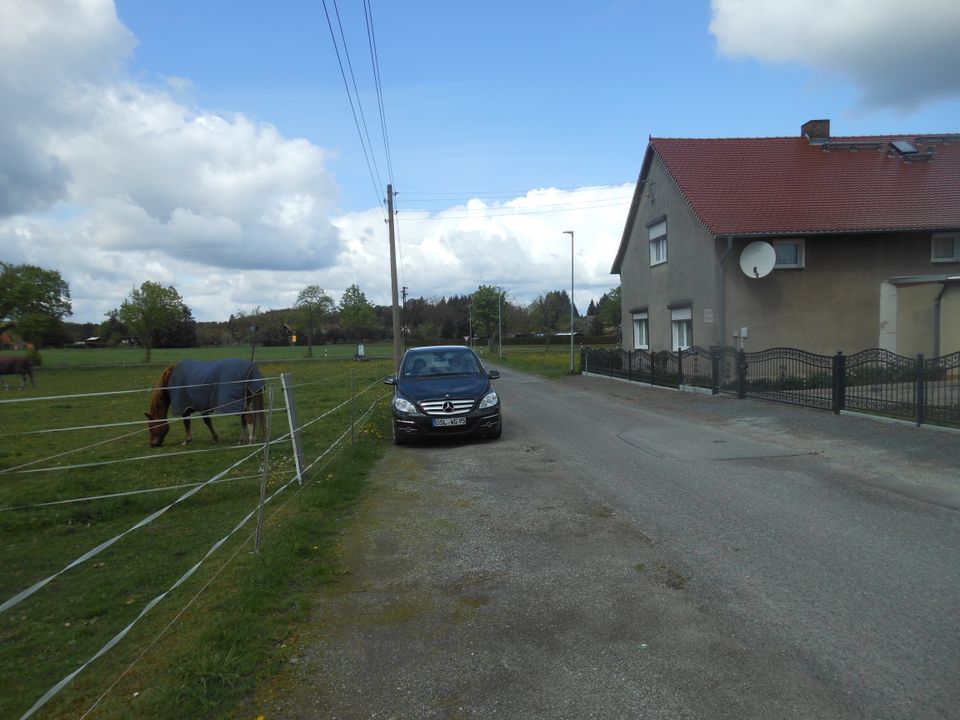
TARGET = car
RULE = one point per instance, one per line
(444, 391)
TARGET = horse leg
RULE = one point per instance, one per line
(186, 426)
(209, 422)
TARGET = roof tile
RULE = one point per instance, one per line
(790, 185)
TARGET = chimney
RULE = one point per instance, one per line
(814, 130)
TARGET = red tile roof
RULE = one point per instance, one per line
(789, 185)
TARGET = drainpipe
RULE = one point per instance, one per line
(722, 292)
(936, 319)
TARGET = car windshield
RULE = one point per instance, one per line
(439, 362)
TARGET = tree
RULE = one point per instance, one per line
(33, 300)
(150, 311)
(314, 305)
(551, 311)
(357, 316)
(608, 309)
(486, 312)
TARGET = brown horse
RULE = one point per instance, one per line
(205, 387)
(17, 365)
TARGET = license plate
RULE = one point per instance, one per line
(448, 422)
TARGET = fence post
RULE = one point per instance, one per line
(839, 400)
(921, 391)
(286, 381)
(679, 367)
(263, 475)
(741, 373)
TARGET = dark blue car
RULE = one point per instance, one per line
(444, 391)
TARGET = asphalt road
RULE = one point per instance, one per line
(627, 552)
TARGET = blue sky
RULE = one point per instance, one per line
(210, 145)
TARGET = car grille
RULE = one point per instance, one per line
(455, 407)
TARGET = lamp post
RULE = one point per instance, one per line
(570, 233)
(499, 322)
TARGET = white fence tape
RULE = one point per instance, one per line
(24, 594)
(47, 696)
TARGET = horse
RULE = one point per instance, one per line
(17, 365)
(207, 386)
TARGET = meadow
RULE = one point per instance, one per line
(207, 616)
(189, 615)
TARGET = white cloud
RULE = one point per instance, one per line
(517, 244)
(899, 54)
(113, 183)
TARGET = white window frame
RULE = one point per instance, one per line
(681, 326)
(657, 237)
(641, 331)
(800, 264)
(944, 239)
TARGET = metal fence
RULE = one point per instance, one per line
(873, 381)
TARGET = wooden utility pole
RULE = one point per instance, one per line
(393, 282)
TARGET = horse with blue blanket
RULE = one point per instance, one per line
(17, 365)
(231, 386)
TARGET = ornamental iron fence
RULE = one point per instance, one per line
(873, 381)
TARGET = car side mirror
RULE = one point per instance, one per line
(390, 380)
(493, 374)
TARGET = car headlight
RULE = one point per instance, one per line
(489, 400)
(405, 406)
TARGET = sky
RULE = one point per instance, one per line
(217, 147)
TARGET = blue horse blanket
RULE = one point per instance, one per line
(217, 385)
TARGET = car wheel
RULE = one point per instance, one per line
(495, 435)
(398, 439)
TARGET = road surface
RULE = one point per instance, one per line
(630, 552)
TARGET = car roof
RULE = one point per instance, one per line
(440, 348)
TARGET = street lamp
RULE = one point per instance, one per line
(499, 322)
(570, 233)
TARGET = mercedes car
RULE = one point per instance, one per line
(444, 391)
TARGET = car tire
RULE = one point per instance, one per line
(398, 439)
(495, 435)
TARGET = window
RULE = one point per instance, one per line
(681, 320)
(657, 234)
(641, 331)
(946, 248)
(789, 253)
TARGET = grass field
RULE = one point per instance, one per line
(76, 473)
(74, 357)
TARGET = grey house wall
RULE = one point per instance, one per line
(833, 303)
(687, 278)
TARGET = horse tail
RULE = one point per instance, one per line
(255, 404)
(259, 421)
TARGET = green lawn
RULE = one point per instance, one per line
(72, 357)
(207, 641)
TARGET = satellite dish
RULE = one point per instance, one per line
(758, 259)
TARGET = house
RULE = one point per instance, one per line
(814, 242)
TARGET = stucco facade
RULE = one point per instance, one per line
(854, 288)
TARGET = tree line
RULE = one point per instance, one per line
(34, 302)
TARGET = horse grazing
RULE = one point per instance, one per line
(205, 387)
(17, 365)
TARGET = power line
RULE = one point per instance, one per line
(448, 195)
(375, 62)
(480, 213)
(353, 110)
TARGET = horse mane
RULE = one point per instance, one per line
(160, 397)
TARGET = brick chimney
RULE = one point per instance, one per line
(814, 130)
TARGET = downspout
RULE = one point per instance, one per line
(936, 319)
(722, 292)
